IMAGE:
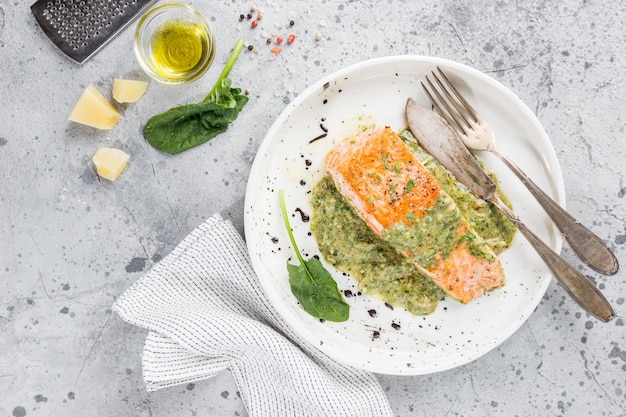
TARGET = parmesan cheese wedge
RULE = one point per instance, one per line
(92, 109)
(128, 91)
(110, 162)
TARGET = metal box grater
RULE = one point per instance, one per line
(81, 28)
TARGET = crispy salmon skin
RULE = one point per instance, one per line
(404, 204)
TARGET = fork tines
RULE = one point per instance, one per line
(453, 108)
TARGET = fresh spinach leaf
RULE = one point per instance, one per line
(312, 284)
(184, 127)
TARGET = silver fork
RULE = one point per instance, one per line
(478, 135)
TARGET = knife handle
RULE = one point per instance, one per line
(577, 285)
(587, 245)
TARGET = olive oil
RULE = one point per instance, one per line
(179, 47)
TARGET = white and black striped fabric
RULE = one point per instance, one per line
(206, 312)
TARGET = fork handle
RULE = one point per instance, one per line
(587, 245)
(577, 285)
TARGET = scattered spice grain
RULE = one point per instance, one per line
(322, 136)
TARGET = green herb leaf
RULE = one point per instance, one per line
(387, 165)
(312, 284)
(469, 237)
(184, 127)
(392, 191)
(409, 186)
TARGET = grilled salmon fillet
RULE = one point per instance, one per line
(404, 204)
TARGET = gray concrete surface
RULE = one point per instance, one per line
(71, 243)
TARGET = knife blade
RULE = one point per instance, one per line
(440, 141)
(438, 138)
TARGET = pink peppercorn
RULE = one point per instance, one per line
(291, 38)
(254, 23)
(279, 40)
(276, 50)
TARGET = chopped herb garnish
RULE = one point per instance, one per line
(397, 168)
(386, 164)
(409, 186)
(467, 237)
(375, 176)
(392, 191)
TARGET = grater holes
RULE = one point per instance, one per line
(78, 27)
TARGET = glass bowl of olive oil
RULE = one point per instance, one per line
(174, 43)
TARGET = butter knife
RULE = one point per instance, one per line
(437, 137)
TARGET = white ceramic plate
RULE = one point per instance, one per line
(375, 92)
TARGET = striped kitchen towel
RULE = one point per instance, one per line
(206, 312)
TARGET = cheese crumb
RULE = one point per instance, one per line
(110, 162)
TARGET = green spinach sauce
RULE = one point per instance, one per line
(348, 244)
(485, 219)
